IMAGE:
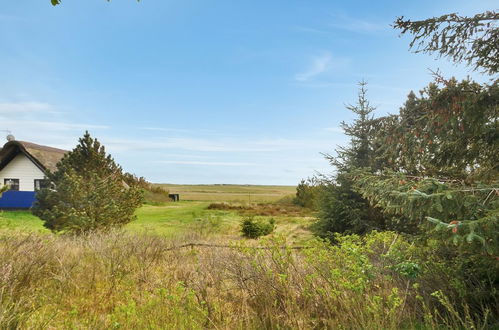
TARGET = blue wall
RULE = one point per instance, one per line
(17, 199)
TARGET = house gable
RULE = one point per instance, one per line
(24, 169)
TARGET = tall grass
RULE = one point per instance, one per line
(123, 280)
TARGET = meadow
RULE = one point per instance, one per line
(143, 276)
(230, 192)
(192, 215)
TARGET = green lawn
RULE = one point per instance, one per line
(190, 216)
(186, 218)
(180, 218)
(21, 220)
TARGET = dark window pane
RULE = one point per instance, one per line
(12, 183)
(41, 184)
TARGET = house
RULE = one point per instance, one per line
(22, 168)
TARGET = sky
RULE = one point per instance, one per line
(200, 92)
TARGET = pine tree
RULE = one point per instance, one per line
(359, 152)
(473, 40)
(88, 193)
(341, 209)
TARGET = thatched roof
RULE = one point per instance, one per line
(44, 157)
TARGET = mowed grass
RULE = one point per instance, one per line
(21, 221)
(231, 193)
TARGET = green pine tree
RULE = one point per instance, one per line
(88, 192)
(341, 209)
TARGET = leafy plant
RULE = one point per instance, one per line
(252, 228)
(307, 193)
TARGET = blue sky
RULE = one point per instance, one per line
(200, 91)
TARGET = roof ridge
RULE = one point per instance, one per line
(27, 144)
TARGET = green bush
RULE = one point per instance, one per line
(307, 193)
(90, 192)
(252, 228)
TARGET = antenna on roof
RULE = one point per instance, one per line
(10, 137)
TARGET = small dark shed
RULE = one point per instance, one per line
(174, 197)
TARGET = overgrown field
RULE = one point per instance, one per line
(148, 276)
(135, 281)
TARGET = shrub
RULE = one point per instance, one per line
(153, 194)
(307, 193)
(252, 228)
(90, 192)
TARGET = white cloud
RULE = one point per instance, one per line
(309, 29)
(193, 162)
(225, 145)
(348, 23)
(319, 65)
(164, 129)
(40, 125)
(13, 108)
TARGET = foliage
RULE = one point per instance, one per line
(105, 280)
(3, 189)
(462, 213)
(450, 131)
(307, 193)
(89, 192)
(341, 208)
(252, 228)
(441, 162)
(153, 194)
(474, 40)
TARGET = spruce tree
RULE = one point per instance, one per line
(88, 192)
(473, 40)
(341, 209)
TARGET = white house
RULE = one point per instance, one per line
(22, 168)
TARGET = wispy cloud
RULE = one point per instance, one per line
(38, 125)
(202, 163)
(353, 24)
(26, 107)
(29, 119)
(165, 129)
(310, 29)
(319, 65)
(213, 145)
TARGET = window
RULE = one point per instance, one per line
(41, 184)
(12, 183)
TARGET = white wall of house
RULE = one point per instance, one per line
(23, 169)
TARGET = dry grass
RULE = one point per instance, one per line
(122, 280)
(230, 193)
(263, 209)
